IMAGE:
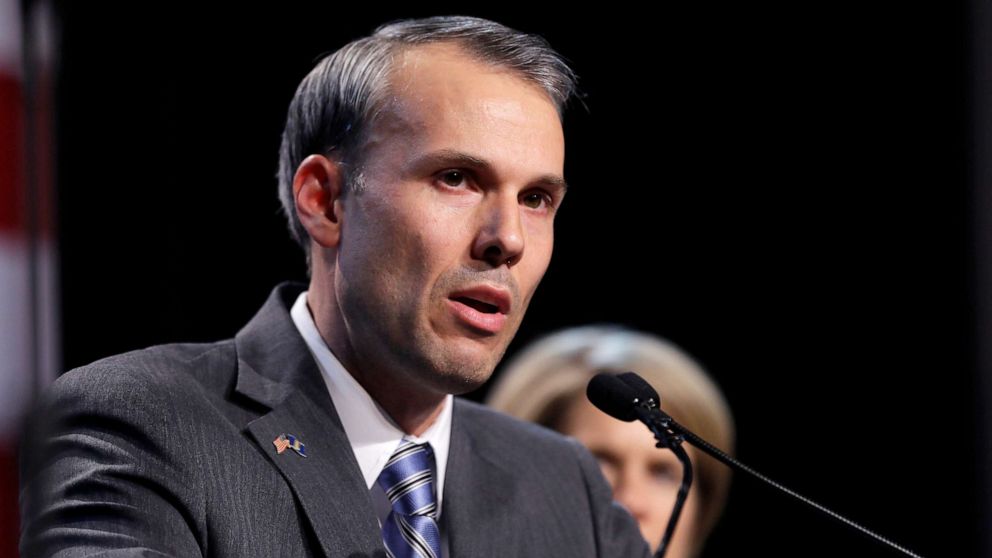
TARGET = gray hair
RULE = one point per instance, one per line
(339, 99)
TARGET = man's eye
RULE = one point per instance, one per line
(534, 200)
(453, 178)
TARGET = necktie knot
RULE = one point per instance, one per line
(407, 479)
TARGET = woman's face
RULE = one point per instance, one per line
(645, 479)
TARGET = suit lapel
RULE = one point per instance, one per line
(328, 482)
(275, 369)
(477, 511)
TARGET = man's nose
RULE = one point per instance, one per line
(500, 239)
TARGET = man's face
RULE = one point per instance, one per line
(441, 252)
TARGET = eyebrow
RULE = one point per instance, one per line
(452, 157)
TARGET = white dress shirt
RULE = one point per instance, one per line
(373, 435)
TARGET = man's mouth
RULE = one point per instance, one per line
(482, 308)
(484, 298)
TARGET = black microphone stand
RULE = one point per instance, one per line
(649, 414)
(658, 421)
(627, 397)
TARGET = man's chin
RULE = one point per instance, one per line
(462, 364)
(461, 375)
(460, 386)
(459, 380)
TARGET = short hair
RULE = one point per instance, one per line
(542, 381)
(336, 103)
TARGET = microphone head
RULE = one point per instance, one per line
(641, 387)
(613, 396)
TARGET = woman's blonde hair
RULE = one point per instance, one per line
(541, 382)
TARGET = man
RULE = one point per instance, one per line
(421, 170)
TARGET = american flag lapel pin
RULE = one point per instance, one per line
(288, 441)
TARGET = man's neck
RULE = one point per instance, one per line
(412, 414)
(412, 407)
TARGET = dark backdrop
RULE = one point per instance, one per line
(781, 190)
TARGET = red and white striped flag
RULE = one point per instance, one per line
(27, 241)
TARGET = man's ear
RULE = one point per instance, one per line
(317, 188)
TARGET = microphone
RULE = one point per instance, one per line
(628, 394)
(643, 389)
(613, 396)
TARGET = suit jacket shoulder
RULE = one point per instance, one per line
(100, 446)
(517, 477)
(168, 451)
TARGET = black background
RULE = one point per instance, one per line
(780, 189)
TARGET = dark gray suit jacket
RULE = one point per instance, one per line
(168, 451)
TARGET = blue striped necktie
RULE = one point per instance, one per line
(411, 529)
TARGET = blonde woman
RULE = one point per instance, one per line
(545, 383)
